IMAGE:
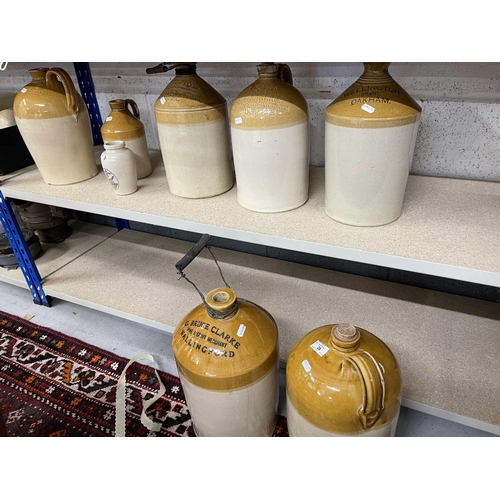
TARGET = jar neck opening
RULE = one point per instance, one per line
(114, 145)
(117, 105)
(221, 303)
(38, 74)
(376, 72)
(185, 69)
(267, 70)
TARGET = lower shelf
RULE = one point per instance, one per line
(55, 256)
(448, 346)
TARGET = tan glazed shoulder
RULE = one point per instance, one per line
(268, 103)
(37, 100)
(121, 124)
(375, 100)
(226, 354)
(189, 100)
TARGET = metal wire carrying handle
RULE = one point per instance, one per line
(161, 68)
(189, 257)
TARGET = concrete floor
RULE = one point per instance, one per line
(127, 339)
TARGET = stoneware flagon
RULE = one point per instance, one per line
(270, 138)
(119, 165)
(342, 380)
(194, 136)
(123, 124)
(370, 136)
(54, 123)
(226, 351)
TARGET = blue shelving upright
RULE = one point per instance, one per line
(9, 222)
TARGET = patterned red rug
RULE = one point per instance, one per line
(55, 385)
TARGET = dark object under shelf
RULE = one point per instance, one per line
(50, 223)
(8, 259)
(14, 154)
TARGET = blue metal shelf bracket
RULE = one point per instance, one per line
(22, 253)
(84, 77)
(122, 224)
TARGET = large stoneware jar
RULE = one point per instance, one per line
(270, 138)
(342, 381)
(227, 357)
(194, 136)
(54, 123)
(370, 136)
(123, 124)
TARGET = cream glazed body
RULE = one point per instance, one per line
(271, 175)
(54, 123)
(370, 137)
(299, 426)
(270, 138)
(191, 117)
(119, 166)
(196, 157)
(249, 411)
(366, 185)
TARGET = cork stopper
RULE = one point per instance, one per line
(117, 104)
(345, 337)
(267, 69)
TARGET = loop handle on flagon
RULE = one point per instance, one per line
(187, 259)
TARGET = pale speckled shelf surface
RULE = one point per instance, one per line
(449, 227)
(448, 346)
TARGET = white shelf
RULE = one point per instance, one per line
(449, 227)
(448, 347)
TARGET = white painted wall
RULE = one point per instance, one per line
(460, 127)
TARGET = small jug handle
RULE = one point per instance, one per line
(373, 387)
(133, 107)
(72, 101)
(285, 73)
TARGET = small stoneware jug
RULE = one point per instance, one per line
(123, 124)
(342, 380)
(55, 125)
(370, 136)
(226, 351)
(118, 164)
(270, 138)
